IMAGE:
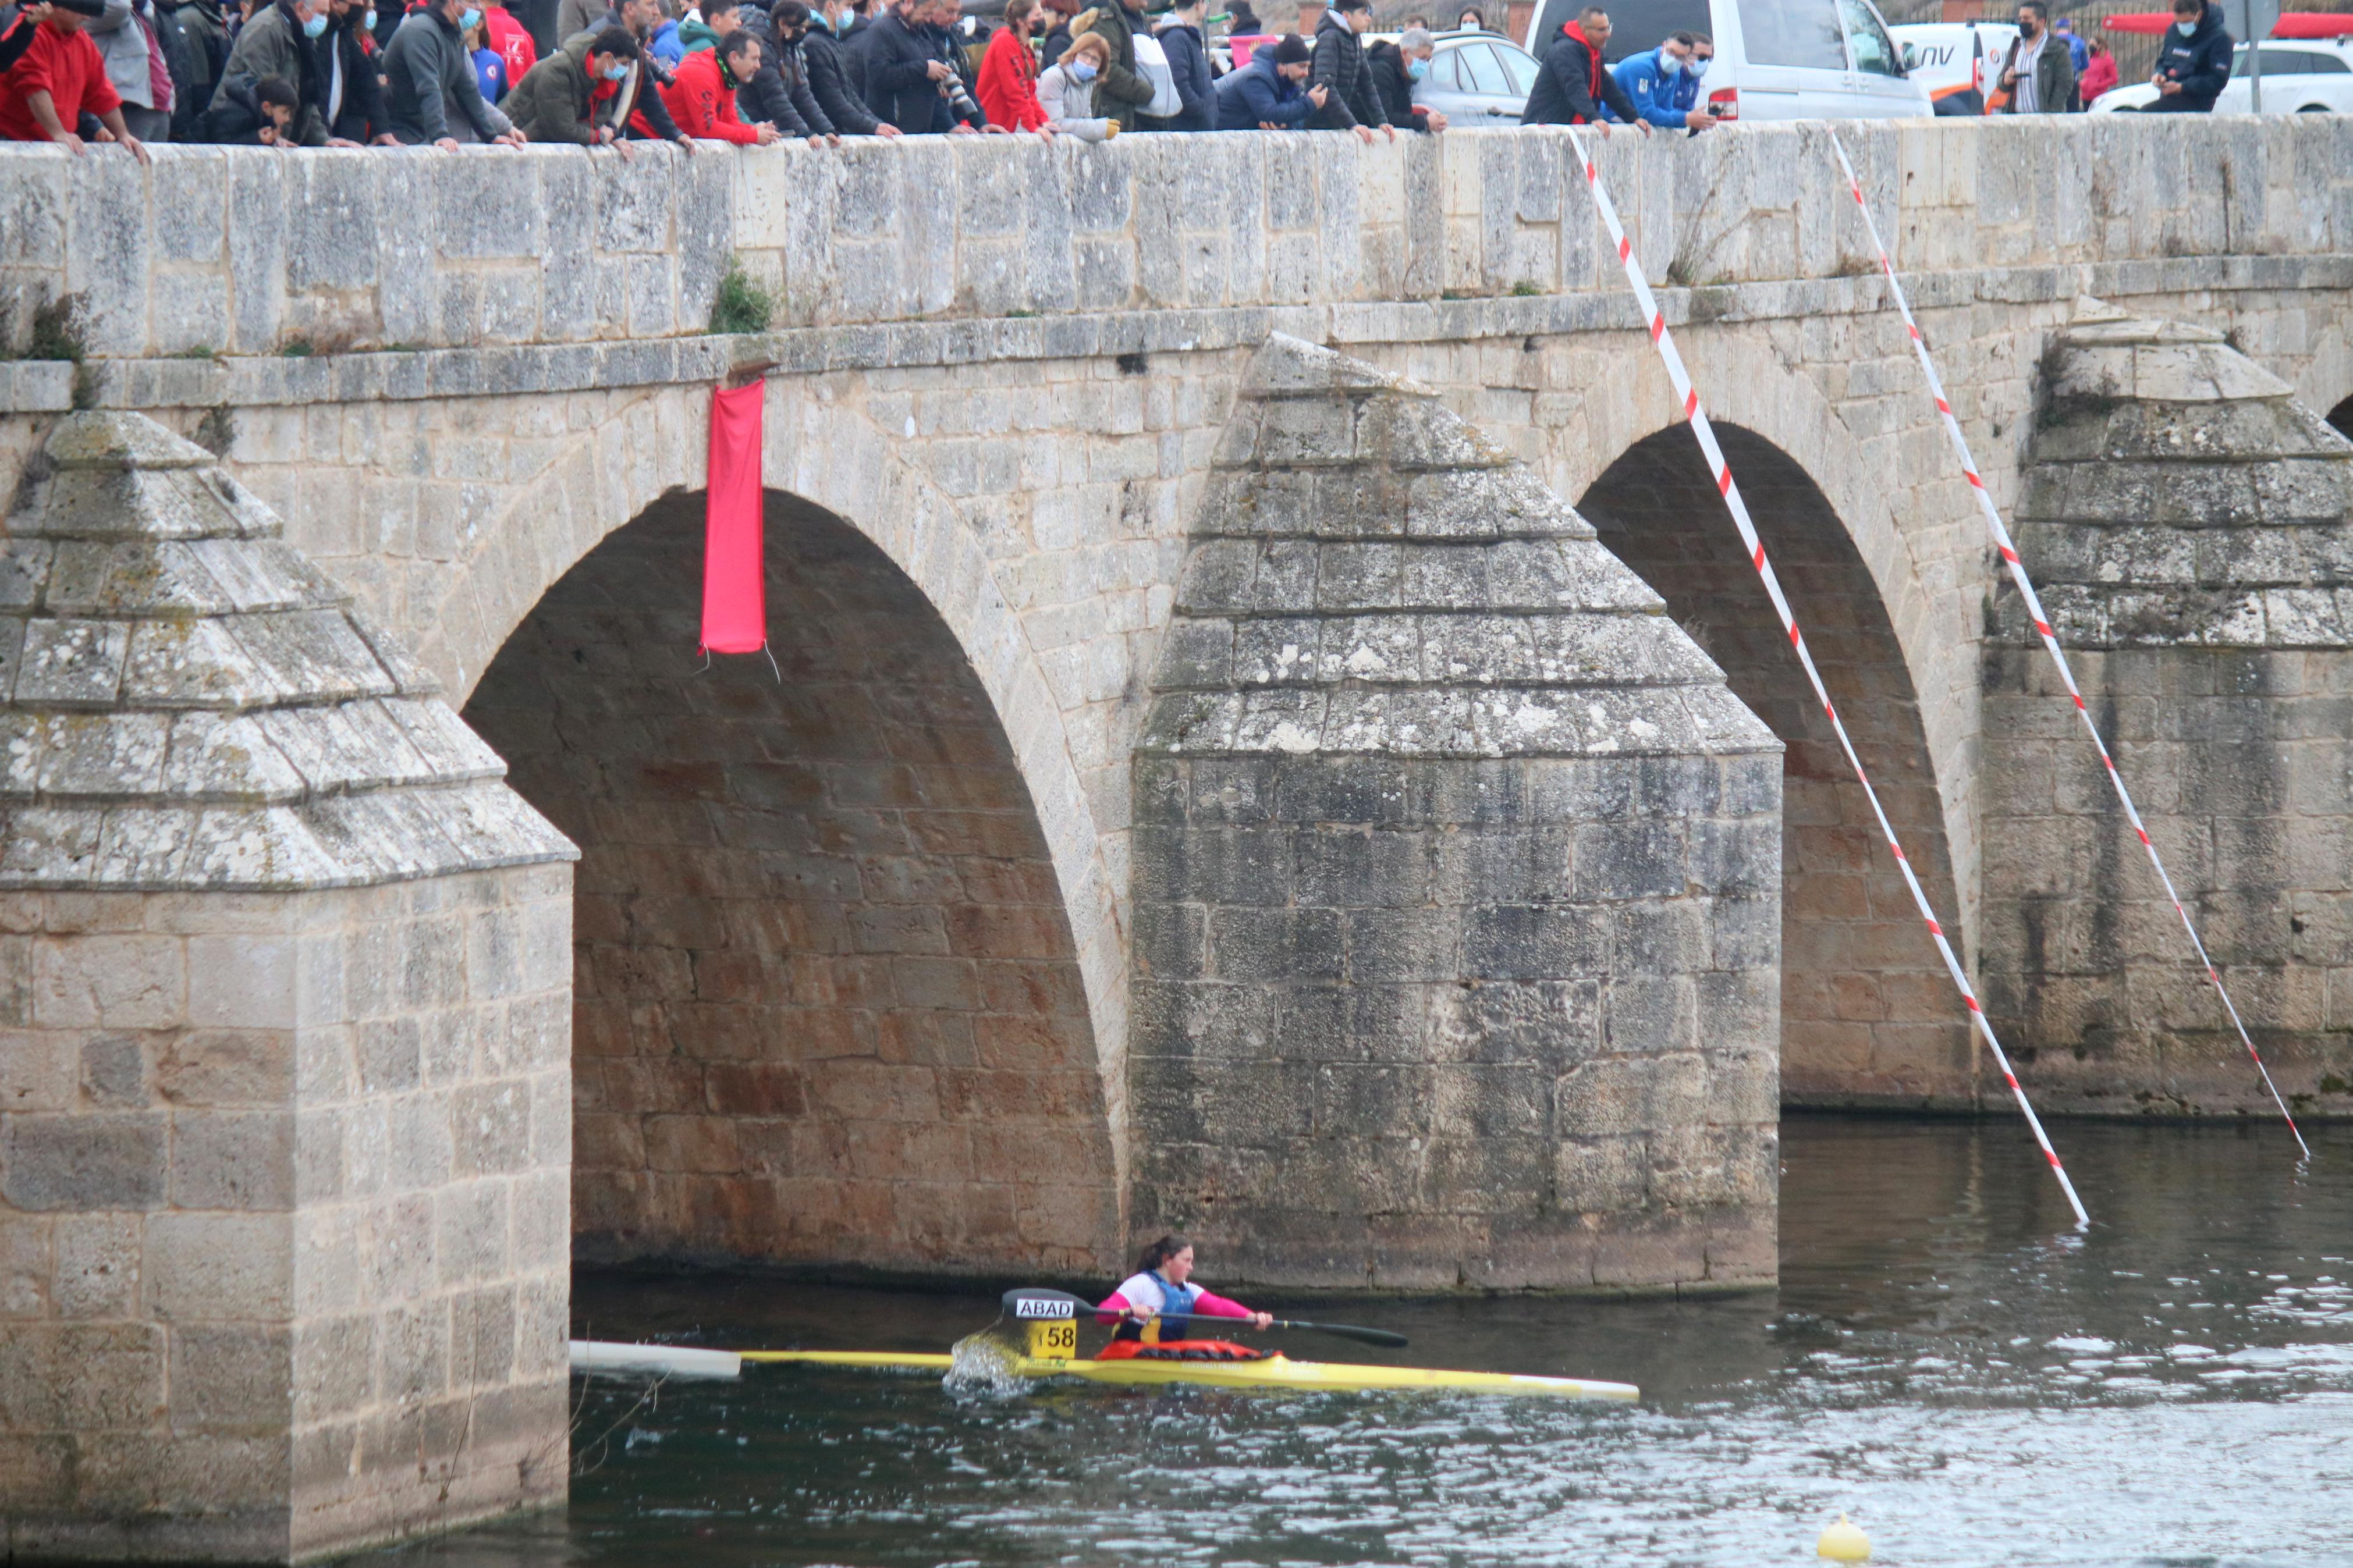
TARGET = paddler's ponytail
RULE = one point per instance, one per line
(1161, 1251)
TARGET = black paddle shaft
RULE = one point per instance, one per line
(1346, 1330)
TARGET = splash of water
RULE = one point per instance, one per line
(985, 1362)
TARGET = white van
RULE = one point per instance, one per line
(1775, 59)
(1958, 62)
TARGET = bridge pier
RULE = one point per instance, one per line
(285, 1122)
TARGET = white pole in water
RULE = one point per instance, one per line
(1687, 399)
(668, 1361)
(2009, 550)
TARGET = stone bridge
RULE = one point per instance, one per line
(1265, 733)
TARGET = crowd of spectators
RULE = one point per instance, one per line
(590, 73)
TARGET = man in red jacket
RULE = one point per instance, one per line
(61, 74)
(703, 99)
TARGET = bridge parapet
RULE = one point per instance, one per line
(250, 252)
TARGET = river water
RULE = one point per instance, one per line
(1944, 1360)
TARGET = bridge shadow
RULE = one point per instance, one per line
(1868, 1016)
(827, 1007)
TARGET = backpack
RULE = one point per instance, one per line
(1151, 65)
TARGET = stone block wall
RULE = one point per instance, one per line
(284, 1239)
(2187, 521)
(1457, 876)
(285, 1116)
(238, 251)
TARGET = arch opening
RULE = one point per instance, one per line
(827, 1007)
(2340, 419)
(1868, 1016)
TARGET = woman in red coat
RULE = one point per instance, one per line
(1009, 73)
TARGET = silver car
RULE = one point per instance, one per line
(1476, 78)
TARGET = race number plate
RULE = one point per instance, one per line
(1053, 1341)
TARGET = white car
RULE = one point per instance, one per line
(1775, 59)
(1958, 62)
(2301, 76)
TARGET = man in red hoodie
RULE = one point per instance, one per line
(60, 76)
(1574, 82)
(703, 99)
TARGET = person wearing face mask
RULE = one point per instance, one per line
(1271, 93)
(1066, 90)
(1188, 63)
(634, 104)
(1396, 69)
(432, 96)
(824, 56)
(556, 99)
(779, 91)
(1008, 72)
(2194, 64)
(1663, 84)
(281, 40)
(2037, 73)
(352, 107)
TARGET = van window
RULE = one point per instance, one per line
(1522, 70)
(1636, 27)
(1803, 33)
(1874, 52)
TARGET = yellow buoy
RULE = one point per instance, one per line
(1844, 1542)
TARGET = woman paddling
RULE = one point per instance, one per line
(1158, 1288)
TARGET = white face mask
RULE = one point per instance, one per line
(1698, 67)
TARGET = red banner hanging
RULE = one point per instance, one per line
(734, 597)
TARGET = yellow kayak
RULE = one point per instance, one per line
(1277, 1370)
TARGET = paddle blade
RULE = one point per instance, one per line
(1350, 1331)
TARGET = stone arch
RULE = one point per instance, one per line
(829, 1007)
(1867, 1014)
(2340, 419)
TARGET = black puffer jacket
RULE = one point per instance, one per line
(828, 85)
(779, 91)
(1339, 66)
(2201, 62)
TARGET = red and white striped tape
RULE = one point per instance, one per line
(2004, 542)
(1688, 396)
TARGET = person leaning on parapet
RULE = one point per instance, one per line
(354, 111)
(1338, 66)
(556, 99)
(2194, 64)
(431, 94)
(1396, 67)
(1066, 90)
(1179, 32)
(1573, 85)
(634, 107)
(703, 99)
(1123, 90)
(1271, 93)
(779, 91)
(127, 40)
(306, 43)
(1008, 88)
(59, 79)
(1663, 83)
(2038, 72)
(828, 82)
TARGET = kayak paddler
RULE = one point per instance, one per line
(1160, 1286)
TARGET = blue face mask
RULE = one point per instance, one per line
(368, 21)
(315, 26)
(470, 20)
(616, 71)
(1698, 67)
(1417, 69)
(1083, 69)
(2185, 28)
